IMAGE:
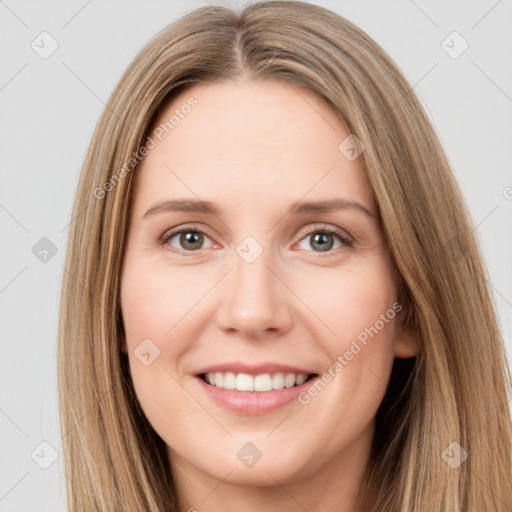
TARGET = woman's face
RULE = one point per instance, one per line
(255, 256)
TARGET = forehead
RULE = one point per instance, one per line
(249, 141)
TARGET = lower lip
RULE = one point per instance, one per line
(253, 402)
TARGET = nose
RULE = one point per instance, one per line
(255, 302)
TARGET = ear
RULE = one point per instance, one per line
(125, 348)
(407, 343)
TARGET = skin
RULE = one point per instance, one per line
(254, 149)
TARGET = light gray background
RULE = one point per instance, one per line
(49, 108)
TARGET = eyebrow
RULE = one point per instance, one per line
(299, 208)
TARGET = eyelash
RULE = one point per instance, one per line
(324, 229)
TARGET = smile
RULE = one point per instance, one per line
(253, 390)
(259, 383)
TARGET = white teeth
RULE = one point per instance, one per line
(301, 379)
(278, 381)
(289, 380)
(260, 383)
(244, 382)
(229, 380)
(263, 382)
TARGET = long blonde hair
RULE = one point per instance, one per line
(455, 391)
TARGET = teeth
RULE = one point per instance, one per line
(289, 381)
(301, 379)
(278, 381)
(260, 383)
(263, 382)
(229, 380)
(243, 382)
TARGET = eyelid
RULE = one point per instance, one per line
(326, 228)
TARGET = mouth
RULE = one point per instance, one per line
(260, 383)
(253, 391)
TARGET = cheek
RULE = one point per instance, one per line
(156, 310)
(155, 302)
(359, 308)
(153, 306)
(351, 300)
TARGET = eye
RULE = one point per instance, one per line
(187, 239)
(324, 238)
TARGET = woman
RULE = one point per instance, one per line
(286, 307)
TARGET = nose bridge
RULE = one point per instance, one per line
(255, 301)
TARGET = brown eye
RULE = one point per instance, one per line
(186, 239)
(325, 239)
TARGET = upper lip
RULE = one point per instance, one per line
(253, 369)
